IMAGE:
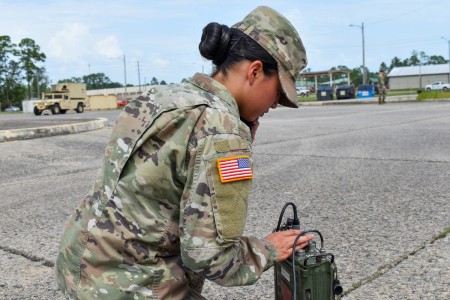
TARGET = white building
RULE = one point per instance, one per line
(416, 77)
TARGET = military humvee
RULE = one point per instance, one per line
(64, 96)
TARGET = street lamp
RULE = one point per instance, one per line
(448, 56)
(363, 51)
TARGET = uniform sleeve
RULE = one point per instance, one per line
(215, 212)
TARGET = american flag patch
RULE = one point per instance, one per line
(234, 168)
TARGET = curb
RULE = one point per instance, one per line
(374, 100)
(37, 132)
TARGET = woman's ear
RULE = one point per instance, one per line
(254, 71)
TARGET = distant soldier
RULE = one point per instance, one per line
(381, 88)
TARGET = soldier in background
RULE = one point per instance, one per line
(381, 88)
(169, 205)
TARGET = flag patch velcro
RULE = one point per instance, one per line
(234, 168)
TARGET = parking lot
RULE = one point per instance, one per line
(373, 179)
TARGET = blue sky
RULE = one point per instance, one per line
(89, 36)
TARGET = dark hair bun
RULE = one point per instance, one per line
(214, 42)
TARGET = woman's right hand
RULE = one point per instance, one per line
(284, 240)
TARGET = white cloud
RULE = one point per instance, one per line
(160, 62)
(70, 43)
(163, 35)
(109, 47)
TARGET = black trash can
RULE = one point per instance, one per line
(345, 92)
(324, 92)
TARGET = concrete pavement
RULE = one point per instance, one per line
(372, 178)
(20, 129)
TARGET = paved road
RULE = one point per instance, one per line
(373, 179)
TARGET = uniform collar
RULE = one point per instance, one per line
(214, 87)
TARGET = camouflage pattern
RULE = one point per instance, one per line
(157, 221)
(381, 88)
(281, 40)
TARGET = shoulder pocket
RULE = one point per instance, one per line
(229, 180)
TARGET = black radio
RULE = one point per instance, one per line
(309, 274)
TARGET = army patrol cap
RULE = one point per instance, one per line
(279, 38)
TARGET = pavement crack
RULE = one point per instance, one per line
(28, 255)
(389, 266)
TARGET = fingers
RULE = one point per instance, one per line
(292, 232)
(284, 242)
(303, 241)
(300, 246)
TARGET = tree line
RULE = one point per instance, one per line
(20, 62)
(23, 74)
(416, 59)
(96, 81)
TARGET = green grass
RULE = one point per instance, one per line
(311, 97)
(432, 95)
(11, 112)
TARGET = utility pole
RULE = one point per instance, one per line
(448, 40)
(139, 76)
(125, 74)
(363, 51)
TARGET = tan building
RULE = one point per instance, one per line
(416, 77)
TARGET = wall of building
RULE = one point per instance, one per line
(28, 105)
(102, 102)
(129, 93)
(415, 82)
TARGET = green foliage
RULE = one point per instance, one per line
(343, 68)
(6, 48)
(417, 58)
(71, 80)
(29, 55)
(97, 81)
(154, 81)
(10, 89)
(356, 76)
(94, 81)
(18, 62)
(432, 95)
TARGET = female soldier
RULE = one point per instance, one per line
(168, 207)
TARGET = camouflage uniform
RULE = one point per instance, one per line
(165, 212)
(158, 219)
(381, 88)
